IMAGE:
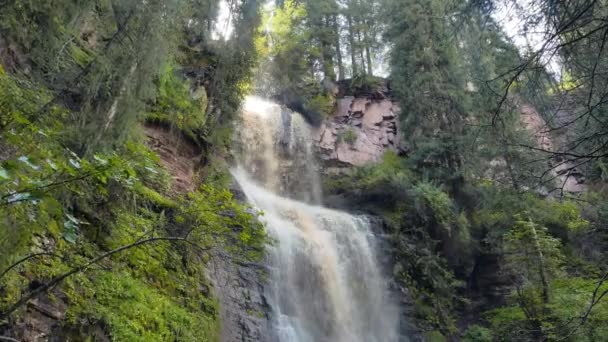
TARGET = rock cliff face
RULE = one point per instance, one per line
(359, 132)
(238, 287)
(177, 155)
(568, 176)
(244, 311)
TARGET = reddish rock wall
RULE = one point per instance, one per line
(360, 132)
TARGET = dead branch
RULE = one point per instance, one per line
(24, 259)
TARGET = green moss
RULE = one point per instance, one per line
(134, 311)
(79, 55)
(175, 104)
(158, 299)
(11, 289)
(80, 202)
(154, 197)
(107, 201)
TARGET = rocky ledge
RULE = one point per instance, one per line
(361, 130)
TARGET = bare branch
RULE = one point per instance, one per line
(57, 280)
(6, 338)
(24, 259)
(596, 297)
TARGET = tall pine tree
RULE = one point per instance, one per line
(428, 79)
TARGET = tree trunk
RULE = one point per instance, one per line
(112, 112)
(114, 107)
(326, 52)
(361, 51)
(368, 50)
(353, 50)
(510, 168)
(541, 265)
(338, 47)
(369, 60)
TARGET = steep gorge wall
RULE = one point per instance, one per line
(238, 287)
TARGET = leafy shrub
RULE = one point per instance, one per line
(320, 103)
(438, 202)
(135, 311)
(434, 336)
(216, 219)
(364, 84)
(175, 105)
(349, 136)
(391, 171)
(560, 319)
(476, 333)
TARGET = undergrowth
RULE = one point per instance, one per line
(68, 209)
(438, 238)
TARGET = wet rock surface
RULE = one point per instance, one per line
(239, 287)
(42, 316)
(244, 311)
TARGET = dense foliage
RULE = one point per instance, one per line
(483, 250)
(304, 48)
(89, 220)
(478, 242)
(461, 260)
(484, 235)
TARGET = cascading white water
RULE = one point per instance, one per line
(325, 283)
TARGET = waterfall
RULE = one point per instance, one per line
(324, 283)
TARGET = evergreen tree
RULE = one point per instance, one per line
(429, 81)
(319, 20)
(99, 57)
(488, 54)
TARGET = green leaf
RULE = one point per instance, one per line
(151, 170)
(75, 163)
(4, 174)
(27, 161)
(70, 229)
(100, 160)
(20, 196)
(52, 164)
